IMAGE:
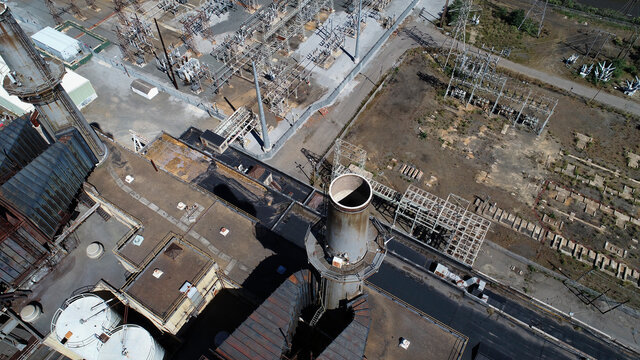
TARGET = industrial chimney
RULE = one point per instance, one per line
(36, 81)
(353, 250)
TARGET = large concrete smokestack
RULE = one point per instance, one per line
(348, 218)
(36, 81)
(353, 250)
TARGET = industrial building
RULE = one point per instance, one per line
(79, 89)
(59, 45)
(188, 247)
(36, 81)
(38, 186)
(188, 242)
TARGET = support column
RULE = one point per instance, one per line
(356, 56)
(263, 121)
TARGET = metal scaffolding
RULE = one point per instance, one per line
(346, 154)
(464, 230)
(238, 126)
(260, 36)
(135, 38)
(55, 13)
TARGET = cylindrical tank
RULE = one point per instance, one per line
(131, 342)
(348, 217)
(38, 82)
(18, 52)
(31, 312)
(80, 322)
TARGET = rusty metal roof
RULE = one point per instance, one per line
(351, 342)
(267, 333)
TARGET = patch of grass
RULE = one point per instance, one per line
(608, 13)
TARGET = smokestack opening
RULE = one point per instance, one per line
(350, 192)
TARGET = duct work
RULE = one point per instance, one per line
(38, 81)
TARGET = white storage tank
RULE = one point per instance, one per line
(131, 342)
(81, 321)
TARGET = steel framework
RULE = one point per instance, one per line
(346, 154)
(476, 73)
(465, 231)
(55, 13)
(238, 125)
(536, 13)
(458, 39)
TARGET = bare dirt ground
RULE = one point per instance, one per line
(460, 151)
(463, 151)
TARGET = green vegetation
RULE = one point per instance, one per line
(609, 13)
(499, 27)
(515, 18)
(452, 12)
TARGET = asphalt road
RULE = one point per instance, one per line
(466, 317)
(439, 307)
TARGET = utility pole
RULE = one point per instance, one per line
(170, 72)
(444, 14)
(458, 35)
(632, 42)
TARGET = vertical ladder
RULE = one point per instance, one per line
(322, 309)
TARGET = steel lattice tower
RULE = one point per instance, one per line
(536, 13)
(458, 39)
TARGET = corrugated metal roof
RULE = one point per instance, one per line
(44, 189)
(267, 333)
(351, 342)
(20, 143)
(78, 87)
(55, 39)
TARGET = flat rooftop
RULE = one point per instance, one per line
(392, 320)
(179, 262)
(249, 253)
(176, 158)
(289, 186)
(76, 272)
